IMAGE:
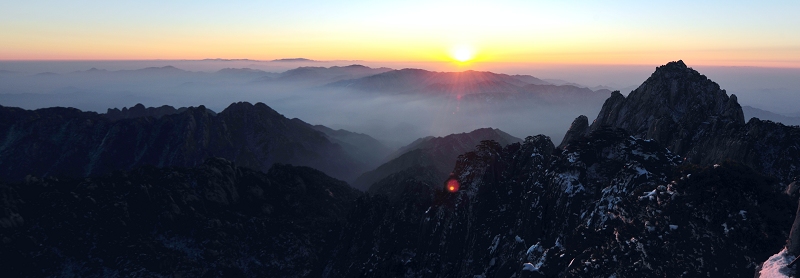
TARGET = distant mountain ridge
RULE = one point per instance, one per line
(294, 60)
(317, 76)
(406, 80)
(438, 153)
(752, 112)
(365, 149)
(69, 142)
(474, 86)
(139, 110)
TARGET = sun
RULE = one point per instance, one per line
(462, 53)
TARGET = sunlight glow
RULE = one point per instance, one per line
(462, 53)
(533, 32)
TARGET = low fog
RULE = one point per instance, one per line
(395, 109)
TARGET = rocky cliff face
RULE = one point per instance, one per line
(216, 219)
(578, 128)
(608, 204)
(694, 118)
(68, 142)
(669, 181)
(672, 106)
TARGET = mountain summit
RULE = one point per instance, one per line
(670, 106)
(691, 116)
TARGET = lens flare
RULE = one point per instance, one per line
(452, 185)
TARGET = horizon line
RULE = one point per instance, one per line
(306, 60)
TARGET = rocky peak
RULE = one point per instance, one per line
(244, 107)
(578, 128)
(672, 106)
(139, 110)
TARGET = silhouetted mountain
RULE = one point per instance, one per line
(438, 152)
(531, 80)
(578, 128)
(417, 80)
(475, 87)
(294, 60)
(608, 205)
(215, 219)
(138, 111)
(559, 82)
(228, 60)
(694, 118)
(752, 112)
(68, 142)
(533, 97)
(362, 147)
(667, 182)
(323, 75)
(412, 185)
(673, 99)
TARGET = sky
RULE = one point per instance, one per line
(720, 33)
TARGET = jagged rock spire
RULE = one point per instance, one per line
(578, 128)
(671, 106)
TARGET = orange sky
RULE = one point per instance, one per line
(582, 32)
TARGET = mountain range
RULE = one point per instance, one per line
(669, 180)
(321, 75)
(457, 83)
(752, 112)
(618, 199)
(69, 142)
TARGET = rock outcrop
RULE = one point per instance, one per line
(691, 116)
(578, 128)
(673, 106)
